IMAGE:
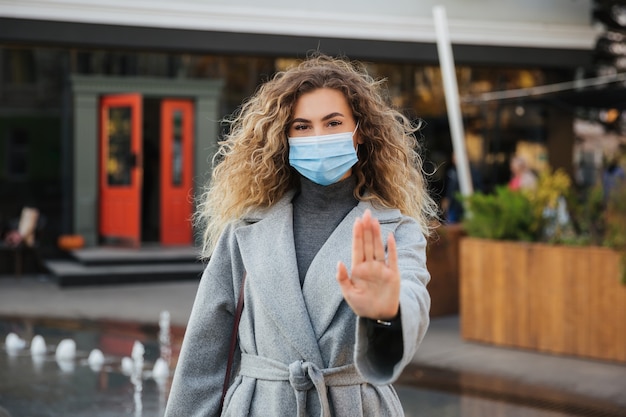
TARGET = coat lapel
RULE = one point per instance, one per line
(268, 254)
(321, 291)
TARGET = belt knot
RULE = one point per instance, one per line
(301, 375)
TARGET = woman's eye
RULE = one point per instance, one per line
(300, 127)
(334, 123)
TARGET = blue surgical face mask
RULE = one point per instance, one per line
(323, 159)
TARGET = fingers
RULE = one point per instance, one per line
(372, 288)
(357, 242)
(379, 249)
(366, 240)
(368, 237)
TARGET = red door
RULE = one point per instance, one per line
(176, 172)
(120, 169)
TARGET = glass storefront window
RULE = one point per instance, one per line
(177, 148)
(17, 154)
(19, 67)
(494, 131)
(32, 97)
(119, 161)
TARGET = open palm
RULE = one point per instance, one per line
(372, 288)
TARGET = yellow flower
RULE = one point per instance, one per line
(550, 186)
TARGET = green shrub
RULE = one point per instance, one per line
(533, 215)
(616, 224)
(616, 218)
(588, 216)
(505, 215)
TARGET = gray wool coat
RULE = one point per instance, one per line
(302, 350)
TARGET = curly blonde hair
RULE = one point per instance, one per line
(253, 161)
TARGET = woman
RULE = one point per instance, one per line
(522, 177)
(320, 201)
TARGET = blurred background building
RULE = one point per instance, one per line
(109, 111)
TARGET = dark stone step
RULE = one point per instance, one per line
(70, 273)
(103, 255)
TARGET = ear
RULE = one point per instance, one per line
(358, 138)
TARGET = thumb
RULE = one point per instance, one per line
(342, 275)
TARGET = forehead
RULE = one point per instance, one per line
(320, 102)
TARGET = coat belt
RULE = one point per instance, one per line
(302, 376)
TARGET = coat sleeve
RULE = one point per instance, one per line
(199, 376)
(382, 354)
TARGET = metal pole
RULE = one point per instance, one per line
(451, 91)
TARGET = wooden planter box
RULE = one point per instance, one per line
(442, 260)
(558, 299)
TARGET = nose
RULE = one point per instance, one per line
(317, 130)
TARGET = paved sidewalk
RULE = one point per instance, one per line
(443, 348)
(38, 296)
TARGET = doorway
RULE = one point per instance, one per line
(146, 170)
(151, 193)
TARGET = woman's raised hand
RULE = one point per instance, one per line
(372, 289)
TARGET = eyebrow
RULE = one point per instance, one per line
(328, 116)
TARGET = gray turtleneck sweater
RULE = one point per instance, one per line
(317, 211)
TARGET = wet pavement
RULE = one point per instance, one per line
(43, 385)
(448, 377)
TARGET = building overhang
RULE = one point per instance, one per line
(77, 35)
(401, 31)
(387, 25)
